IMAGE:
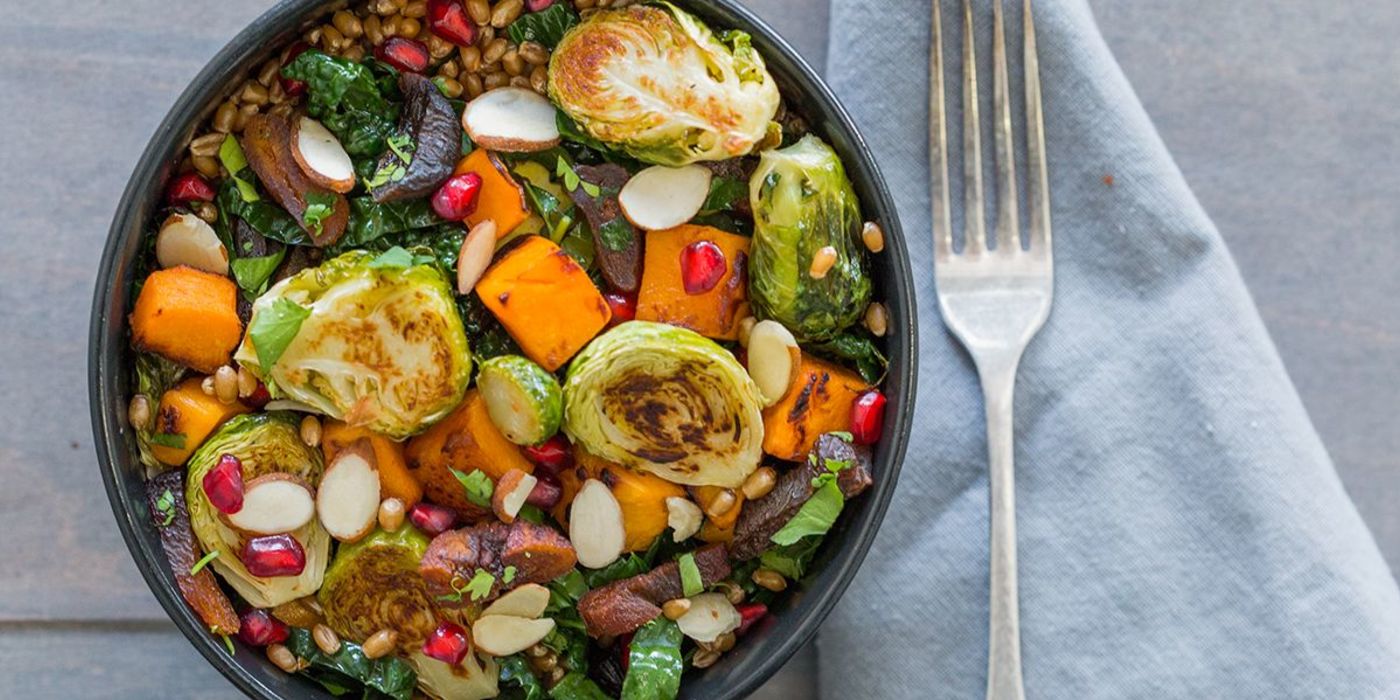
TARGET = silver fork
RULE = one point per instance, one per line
(994, 298)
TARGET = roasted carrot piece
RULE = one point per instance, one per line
(189, 316)
(715, 313)
(501, 199)
(466, 440)
(545, 301)
(185, 418)
(394, 478)
(819, 402)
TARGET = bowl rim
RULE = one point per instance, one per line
(107, 371)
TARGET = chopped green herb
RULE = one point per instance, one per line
(531, 514)
(199, 565)
(231, 155)
(691, 583)
(172, 440)
(402, 145)
(319, 207)
(571, 179)
(165, 505)
(228, 643)
(274, 328)
(843, 435)
(508, 575)
(480, 585)
(478, 485)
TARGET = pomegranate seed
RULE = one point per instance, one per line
(547, 491)
(536, 6)
(448, 643)
(190, 187)
(553, 455)
(624, 308)
(273, 555)
(258, 628)
(868, 417)
(449, 20)
(456, 199)
(702, 266)
(432, 520)
(403, 54)
(748, 615)
(258, 398)
(223, 485)
(292, 86)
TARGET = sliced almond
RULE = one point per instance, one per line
(595, 525)
(321, 157)
(775, 359)
(273, 504)
(683, 517)
(528, 601)
(186, 239)
(511, 491)
(511, 119)
(660, 197)
(503, 635)
(710, 617)
(347, 500)
(475, 255)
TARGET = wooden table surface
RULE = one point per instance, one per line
(1281, 114)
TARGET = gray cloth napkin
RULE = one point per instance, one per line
(1182, 531)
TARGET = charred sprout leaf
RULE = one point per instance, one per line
(684, 374)
(803, 203)
(478, 486)
(517, 681)
(546, 27)
(265, 443)
(577, 686)
(346, 97)
(373, 584)
(654, 662)
(275, 328)
(857, 349)
(381, 344)
(655, 82)
(349, 668)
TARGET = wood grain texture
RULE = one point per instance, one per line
(1281, 114)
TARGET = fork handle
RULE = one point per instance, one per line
(998, 375)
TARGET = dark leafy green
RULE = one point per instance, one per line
(252, 274)
(488, 337)
(349, 668)
(265, 217)
(792, 560)
(348, 98)
(725, 193)
(370, 220)
(545, 27)
(654, 662)
(551, 209)
(443, 242)
(577, 686)
(856, 349)
(624, 567)
(517, 682)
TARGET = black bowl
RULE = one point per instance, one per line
(795, 617)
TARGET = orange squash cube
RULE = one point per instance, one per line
(545, 301)
(466, 440)
(189, 316)
(188, 416)
(501, 198)
(818, 402)
(663, 298)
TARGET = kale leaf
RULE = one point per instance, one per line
(654, 662)
(348, 98)
(544, 27)
(349, 667)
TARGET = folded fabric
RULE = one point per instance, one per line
(1182, 531)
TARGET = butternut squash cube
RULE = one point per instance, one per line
(188, 316)
(185, 418)
(545, 301)
(501, 198)
(663, 298)
(818, 402)
(466, 440)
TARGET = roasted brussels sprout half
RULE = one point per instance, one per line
(655, 82)
(476, 678)
(265, 443)
(666, 400)
(375, 341)
(804, 207)
(374, 584)
(523, 400)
